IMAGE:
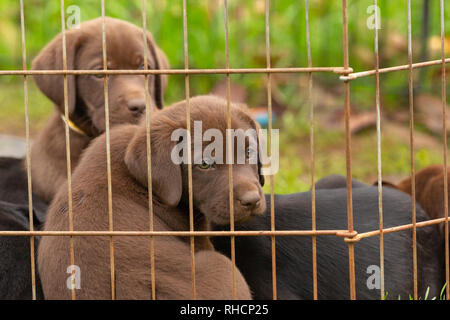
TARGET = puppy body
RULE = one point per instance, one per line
(213, 271)
(429, 190)
(49, 164)
(294, 254)
(15, 264)
(125, 50)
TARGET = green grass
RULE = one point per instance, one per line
(12, 109)
(295, 158)
(425, 297)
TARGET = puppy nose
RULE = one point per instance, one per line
(136, 106)
(249, 200)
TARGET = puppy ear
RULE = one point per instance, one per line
(261, 142)
(261, 176)
(161, 63)
(51, 58)
(166, 175)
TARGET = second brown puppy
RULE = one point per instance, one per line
(86, 95)
(429, 190)
(213, 271)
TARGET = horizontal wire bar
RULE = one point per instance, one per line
(338, 70)
(353, 76)
(397, 228)
(341, 233)
(351, 236)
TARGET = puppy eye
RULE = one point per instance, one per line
(206, 164)
(98, 75)
(249, 153)
(142, 67)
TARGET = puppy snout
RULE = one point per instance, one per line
(250, 200)
(136, 106)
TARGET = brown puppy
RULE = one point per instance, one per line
(170, 206)
(125, 50)
(429, 190)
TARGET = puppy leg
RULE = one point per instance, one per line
(214, 277)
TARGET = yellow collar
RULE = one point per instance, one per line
(73, 126)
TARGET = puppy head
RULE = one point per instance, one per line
(86, 97)
(210, 174)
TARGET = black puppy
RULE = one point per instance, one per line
(14, 185)
(15, 262)
(294, 254)
(336, 181)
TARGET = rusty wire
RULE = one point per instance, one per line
(413, 173)
(417, 65)
(108, 156)
(348, 153)
(379, 173)
(149, 153)
(444, 134)
(311, 142)
(271, 177)
(229, 154)
(67, 134)
(337, 70)
(346, 73)
(28, 156)
(188, 127)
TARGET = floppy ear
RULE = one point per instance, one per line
(261, 142)
(261, 176)
(166, 175)
(161, 63)
(51, 58)
(257, 127)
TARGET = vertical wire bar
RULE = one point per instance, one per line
(149, 153)
(188, 127)
(28, 157)
(108, 156)
(311, 143)
(271, 177)
(380, 189)
(229, 153)
(444, 127)
(67, 133)
(351, 247)
(413, 175)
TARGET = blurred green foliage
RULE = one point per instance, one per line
(206, 43)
